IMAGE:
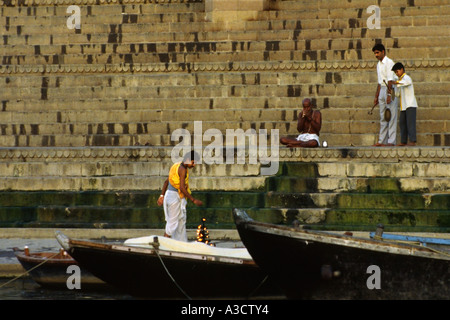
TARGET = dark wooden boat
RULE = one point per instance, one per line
(149, 272)
(49, 269)
(309, 264)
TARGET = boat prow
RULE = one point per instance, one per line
(49, 269)
(320, 264)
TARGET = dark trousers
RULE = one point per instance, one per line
(408, 125)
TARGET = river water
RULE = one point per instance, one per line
(26, 289)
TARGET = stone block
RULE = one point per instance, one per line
(431, 169)
(331, 170)
(236, 5)
(379, 170)
(403, 220)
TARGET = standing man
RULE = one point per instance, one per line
(309, 124)
(385, 97)
(174, 194)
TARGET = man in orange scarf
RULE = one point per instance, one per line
(174, 194)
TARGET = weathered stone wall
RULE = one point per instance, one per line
(87, 115)
(346, 188)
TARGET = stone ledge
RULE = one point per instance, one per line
(29, 3)
(421, 154)
(143, 153)
(214, 67)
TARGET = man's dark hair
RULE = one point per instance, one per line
(378, 47)
(191, 155)
(398, 66)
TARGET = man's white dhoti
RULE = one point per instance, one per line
(175, 214)
(388, 130)
(308, 137)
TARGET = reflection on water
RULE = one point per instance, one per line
(27, 289)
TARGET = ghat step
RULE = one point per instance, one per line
(91, 216)
(391, 201)
(354, 219)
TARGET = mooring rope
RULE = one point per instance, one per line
(26, 272)
(165, 268)
(259, 286)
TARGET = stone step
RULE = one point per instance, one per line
(189, 92)
(131, 182)
(359, 201)
(114, 208)
(118, 168)
(121, 199)
(72, 123)
(401, 192)
(409, 177)
(309, 45)
(340, 219)
(53, 8)
(162, 140)
(410, 218)
(91, 168)
(359, 184)
(245, 78)
(297, 4)
(333, 107)
(119, 217)
(214, 56)
(189, 22)
(165, 121)
(168, 19)
(166, 126)
(114, 36)
(289, 215)
(108, 217)
(366, 169)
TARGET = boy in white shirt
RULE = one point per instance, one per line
(408, 106)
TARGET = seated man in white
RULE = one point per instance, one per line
(309, 124)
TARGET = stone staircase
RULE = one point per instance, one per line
(134, 73)
(89, 113)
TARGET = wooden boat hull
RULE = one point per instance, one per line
(140, 272)
(319, 265)
(52, 269)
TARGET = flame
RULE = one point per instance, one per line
(202, 232)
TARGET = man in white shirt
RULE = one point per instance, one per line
(408, 106)
(384, 97)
